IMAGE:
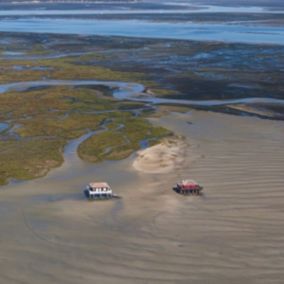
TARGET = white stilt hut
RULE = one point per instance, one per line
(99, 190)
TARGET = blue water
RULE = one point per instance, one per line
(242, 33)
(144, 144)
(162, 8)
(3, 126)
(134, 92)
(114, 10)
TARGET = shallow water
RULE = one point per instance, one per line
(242, 33)
(12, 53)
(233, 233)
(3, 126)
(134, 92)
(114, 10)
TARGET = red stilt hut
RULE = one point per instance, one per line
(188, 187)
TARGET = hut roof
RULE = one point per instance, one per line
(99, 185)
(188, 182)
(189, 185)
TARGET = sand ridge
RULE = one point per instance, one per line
(231, 234)
(163, 157)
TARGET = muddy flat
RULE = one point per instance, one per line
(232, 234)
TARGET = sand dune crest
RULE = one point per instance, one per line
(161, 158)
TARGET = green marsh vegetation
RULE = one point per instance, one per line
(62, 69)
(47, 118)
(123, 137)
(43, 120)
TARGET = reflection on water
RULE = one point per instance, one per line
(138, 28)
(3, 126)
(134, 92)
(114, 10)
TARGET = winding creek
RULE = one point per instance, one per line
(50, 233)
(233, 234)
(121, 91)
(133, 92)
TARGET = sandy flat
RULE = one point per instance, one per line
(233, 234)
(162, 158)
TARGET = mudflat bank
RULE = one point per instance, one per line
(162, 158)
(152, 234)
